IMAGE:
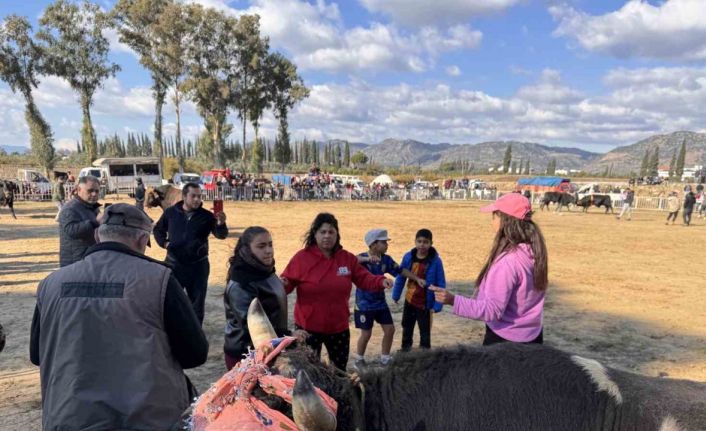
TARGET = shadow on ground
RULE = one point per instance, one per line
(23, 231)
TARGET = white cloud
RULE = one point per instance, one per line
(318, 40)
(637, 103)
(316, 26)
(517, 70)
(641, 102)
(65, 144)
(453, 71)
(674, 29)
(115, 45)
(13, 127)
(54, 91)
(549, 89)
(425, 12)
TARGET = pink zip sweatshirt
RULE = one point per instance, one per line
(506, 299)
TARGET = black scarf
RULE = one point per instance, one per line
(247, 268)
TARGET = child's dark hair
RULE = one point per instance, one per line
(513, 232)
(423, 233)
(320, 220)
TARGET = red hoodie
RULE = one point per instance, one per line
(324, 288)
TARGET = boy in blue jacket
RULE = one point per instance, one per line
(424, 262)
(371, 307)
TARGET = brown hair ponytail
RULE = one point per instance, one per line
(513, 232)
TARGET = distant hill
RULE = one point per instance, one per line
(9, 149)
(629, 158)
(395, 152)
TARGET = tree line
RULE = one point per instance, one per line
(219, 62)
(650, 162)
(333, 154)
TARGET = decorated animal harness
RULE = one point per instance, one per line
(230, 405)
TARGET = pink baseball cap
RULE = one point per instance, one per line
(512, 204)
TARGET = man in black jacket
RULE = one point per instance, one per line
(77, 221)
(689, 202)
(183, 230)
(140, 195)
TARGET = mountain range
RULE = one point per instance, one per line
(625, 159)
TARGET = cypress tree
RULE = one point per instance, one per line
(673, 164)
(645, 163)
(653, 169)
(507, 159)
(681, 158)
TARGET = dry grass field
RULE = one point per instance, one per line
(629, 293)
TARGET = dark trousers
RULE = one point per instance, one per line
(337, 345)
(493, 338)
(673, 216)
(193, 277)
(687, 216)
(412, 316)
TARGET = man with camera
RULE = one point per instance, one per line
(183, 230)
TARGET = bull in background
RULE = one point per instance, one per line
(504, 387)
(596, 200)
(7, 195)
(562, 199)
(162, 196)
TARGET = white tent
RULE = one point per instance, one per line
(383, 180)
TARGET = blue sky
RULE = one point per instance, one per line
(582, 73)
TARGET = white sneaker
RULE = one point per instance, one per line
(359, 365)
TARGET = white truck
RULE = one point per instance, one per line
(120, 172)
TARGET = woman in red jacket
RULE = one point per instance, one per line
(323, 274)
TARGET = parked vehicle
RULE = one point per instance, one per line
(181, 178)
(209, 179)
(40, 183)
(121, 172)
(95, 172)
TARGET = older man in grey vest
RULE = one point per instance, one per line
(112, 334)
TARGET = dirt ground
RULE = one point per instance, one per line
(629, 293)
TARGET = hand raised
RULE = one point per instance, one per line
(442, 295)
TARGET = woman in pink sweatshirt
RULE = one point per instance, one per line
(512, 283)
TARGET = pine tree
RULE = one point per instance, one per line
(681, 158)
(347, 155)
(507, 160)
(645, 163)
(257, 154)
(339, 155)
(653, 167)
(551, 167)
(672, 164)
(315, 152)
(527, 168)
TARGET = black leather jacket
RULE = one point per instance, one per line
(237, 298)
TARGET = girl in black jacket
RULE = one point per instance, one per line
(252, 275)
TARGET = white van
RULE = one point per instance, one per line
(96, 172)
(121, 172)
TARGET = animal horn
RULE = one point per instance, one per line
(261, 330)
(309, 411)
